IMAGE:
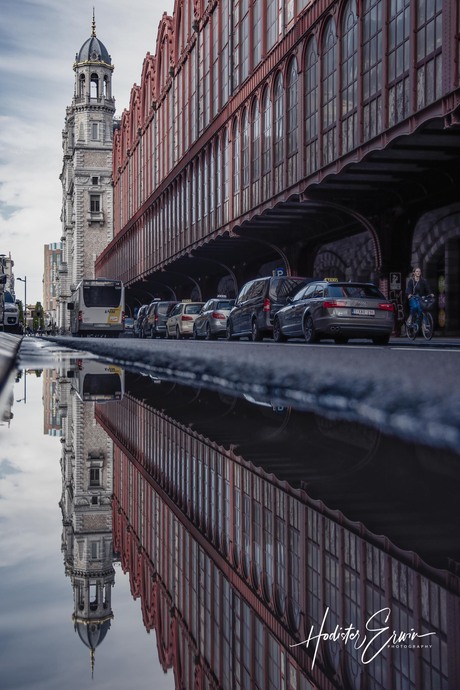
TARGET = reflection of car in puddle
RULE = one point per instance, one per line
(96, 381)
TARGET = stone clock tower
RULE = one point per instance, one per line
(87, 193)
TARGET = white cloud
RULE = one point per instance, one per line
(38, 43)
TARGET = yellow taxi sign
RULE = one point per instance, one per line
(331, 280)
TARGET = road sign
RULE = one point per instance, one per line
(395, 281)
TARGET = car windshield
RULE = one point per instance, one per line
(287, 287)
(9, 297)
(165, 307)
(192, 308)
(355, 291)
(225, 304)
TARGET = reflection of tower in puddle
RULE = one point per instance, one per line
(87, 480)
(236, 566)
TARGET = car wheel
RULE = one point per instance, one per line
(278, 335)
(255, 332)
(381, 340)
(341, 340)
(229, 332)
(209, 334)
(178, 335)
(309, 330)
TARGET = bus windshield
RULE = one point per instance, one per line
(102, 295)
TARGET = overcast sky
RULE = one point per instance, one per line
(38, 43)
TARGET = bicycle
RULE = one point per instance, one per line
(419, 317)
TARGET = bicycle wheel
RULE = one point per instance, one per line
(427, 326)
(411, 328)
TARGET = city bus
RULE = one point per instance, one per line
(97, 308)
(95, 381)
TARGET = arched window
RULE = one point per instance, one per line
(81, 86)
(226, 173)
(349, 81)
(219, 181)
(292, 120)
(311, 107)
(372, 19)
(94, 85)
(255, 152)
(266, 142)
(212, 180)
(279, 131)
(236, 167)
(245, 158)
(329, 93)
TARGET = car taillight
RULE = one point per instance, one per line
(80, 316)
(386, 306)
(156, 318)
(217, 315)
(266, 304)
(331, 304)
(122, 316)
(184, 317)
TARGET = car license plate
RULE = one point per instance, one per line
(363, 312)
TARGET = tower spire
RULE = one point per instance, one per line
(93, 26)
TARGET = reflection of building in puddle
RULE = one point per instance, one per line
(52, 423)
(87, 484)
(234, 565)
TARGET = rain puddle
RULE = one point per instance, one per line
(159, 535)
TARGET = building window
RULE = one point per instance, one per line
(94, 476)
(95, 203)
(95, 181)
(292, 121)
(95, 131)
(266, 142)
(429, 52)
(256, 33)
(349, 77)
(279, 131)
(311, 107)
(329, 93)
(398, 60)
(372, 67)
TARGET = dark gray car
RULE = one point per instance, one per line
(257, 304)
(336, 310)
(154, 325)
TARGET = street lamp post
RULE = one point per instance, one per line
(24, 280)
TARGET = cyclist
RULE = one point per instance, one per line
(417, 287)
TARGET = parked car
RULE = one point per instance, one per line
(336, 310)
(211, 322)
(179, 323)
(139, 320)
(154, 325)
(257, 304)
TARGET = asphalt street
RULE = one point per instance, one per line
(409, 390)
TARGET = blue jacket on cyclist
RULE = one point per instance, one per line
(417, 286)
